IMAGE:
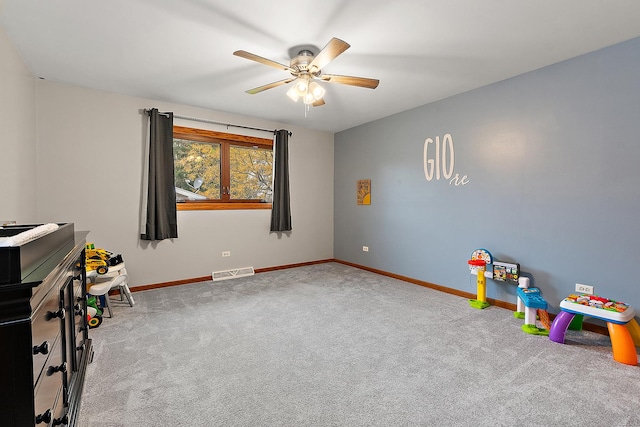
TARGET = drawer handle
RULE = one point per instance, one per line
(53, 369)
(42, 348)
(58, 421)
(44, 417)
(54, 314)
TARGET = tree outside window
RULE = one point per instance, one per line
(216, 170)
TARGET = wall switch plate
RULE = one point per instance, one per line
(226, 253)
(365, 249)
(585, 289)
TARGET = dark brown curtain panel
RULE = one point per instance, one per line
(281, 211)
(161, 222)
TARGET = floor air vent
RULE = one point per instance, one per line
(231, 274)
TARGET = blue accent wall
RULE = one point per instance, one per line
(552, 166)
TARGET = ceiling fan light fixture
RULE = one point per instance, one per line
(302, 85)
(293, 93)
(304, 88)
(317, 91)
(308, 98)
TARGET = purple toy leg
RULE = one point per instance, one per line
(559, 326)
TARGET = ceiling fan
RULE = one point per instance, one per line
(305, 68)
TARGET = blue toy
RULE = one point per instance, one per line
(534, 306)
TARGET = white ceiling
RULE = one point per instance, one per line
(181, 51)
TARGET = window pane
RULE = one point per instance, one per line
(197, 170)
(251, 173)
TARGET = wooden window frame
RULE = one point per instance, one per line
(226, 140)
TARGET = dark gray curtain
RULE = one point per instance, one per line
(281, 211)
(161, 222)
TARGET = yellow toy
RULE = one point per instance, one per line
(479, 267)
(478, 264)
(98, 259)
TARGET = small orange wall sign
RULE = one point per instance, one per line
(364, 192)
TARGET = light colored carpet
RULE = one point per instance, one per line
(332, 345)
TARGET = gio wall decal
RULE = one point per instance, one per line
(439, 161)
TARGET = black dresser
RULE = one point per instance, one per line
(44, 342)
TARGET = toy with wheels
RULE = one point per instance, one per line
(96, 259)
(100, 259)
(94, 313)
(93, 320)
(98, 265)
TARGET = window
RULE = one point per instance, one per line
(216, 170)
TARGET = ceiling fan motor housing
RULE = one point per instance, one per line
(302, 61)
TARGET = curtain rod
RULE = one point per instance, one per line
(194, 119)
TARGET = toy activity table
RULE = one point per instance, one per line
(623, 328)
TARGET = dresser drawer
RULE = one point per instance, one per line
(60, 417)
(49, 389)
(46, 327)
(55, 416)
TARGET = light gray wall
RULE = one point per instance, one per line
(17, 137)
(90, 156)
(552, 162)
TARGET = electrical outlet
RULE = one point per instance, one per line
(365, 249)
(226, 253)
(585, 289)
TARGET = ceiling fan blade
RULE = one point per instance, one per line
(270, 86)
(318, 103)
(349, 80)
(328, 53)
(260, 59)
